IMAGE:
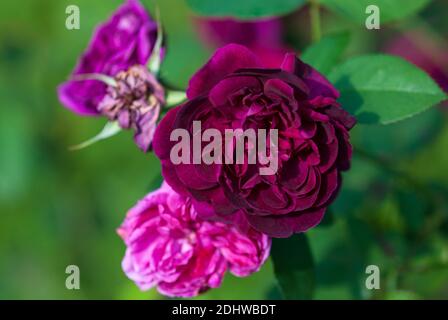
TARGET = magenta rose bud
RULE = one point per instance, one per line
(126, 39)
(234, 91)
(171, 248)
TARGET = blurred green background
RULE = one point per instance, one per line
(59, 207)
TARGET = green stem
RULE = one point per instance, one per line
(388, 167)
(316, 32)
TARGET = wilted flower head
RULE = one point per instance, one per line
(170, 248)
(126, 39)
(135, 102)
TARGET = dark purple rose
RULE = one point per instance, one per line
(126, 39)
(234, 91)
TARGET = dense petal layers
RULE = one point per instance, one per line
(170, 247)
(234, 91)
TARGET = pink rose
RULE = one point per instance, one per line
(169, 247)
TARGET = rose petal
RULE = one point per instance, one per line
(284, 226)
(225, 61)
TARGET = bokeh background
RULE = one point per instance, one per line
(59, 207)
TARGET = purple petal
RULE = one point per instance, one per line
(225, 61)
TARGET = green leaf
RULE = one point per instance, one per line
(155, 60)
(403, 139)
(294, 266)
(107, 80)
(175, 98)
(109, 130)
(384, 89)
(247, 9)
(390, 10)
(324, 55)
